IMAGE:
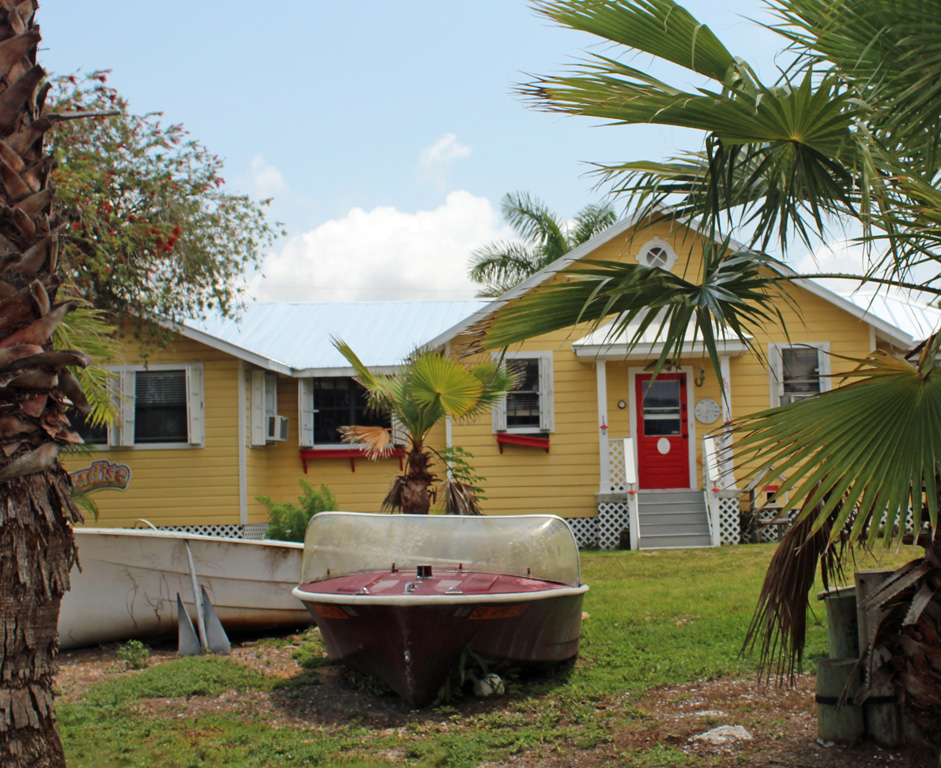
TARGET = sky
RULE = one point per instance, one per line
(385, 132)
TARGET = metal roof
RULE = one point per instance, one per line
(917, 319)
(295, 337)
(600, 344)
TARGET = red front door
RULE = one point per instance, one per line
(662, 431)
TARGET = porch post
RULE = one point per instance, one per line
(601, 377)
(725, 443)
(242, 451)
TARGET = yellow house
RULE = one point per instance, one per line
(587, 434)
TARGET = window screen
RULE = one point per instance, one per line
(522, 402)
(663, 409)
(341, 402)
(160, 407)
(801, 373)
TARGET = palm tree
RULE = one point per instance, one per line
(427, 388)
(543, 238)
(36, 510)
(850, 130)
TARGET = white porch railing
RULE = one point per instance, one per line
(718, 484)
(710, 480)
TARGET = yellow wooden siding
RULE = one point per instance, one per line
(180, 486)
(526, 480)
(563, 482)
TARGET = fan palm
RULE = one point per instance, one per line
(543, 238)
(427, 388)
(851, 129)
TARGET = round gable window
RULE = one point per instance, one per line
(657, 253)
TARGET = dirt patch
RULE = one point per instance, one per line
(773, 727)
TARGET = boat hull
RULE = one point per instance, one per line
(129, 580)
(412, 646)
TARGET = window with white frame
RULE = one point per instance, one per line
(328, 403)
(798, 371)
(160, 406)
(528, 407)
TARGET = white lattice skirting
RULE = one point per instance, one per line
(610, 529)
(730, 526)
(250, 531)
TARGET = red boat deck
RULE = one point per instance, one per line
(440, 582)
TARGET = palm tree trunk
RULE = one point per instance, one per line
(416, 492)
(36, 554)
(36, 543)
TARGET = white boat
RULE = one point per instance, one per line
(130, 578)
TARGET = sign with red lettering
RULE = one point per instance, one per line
(101, 474)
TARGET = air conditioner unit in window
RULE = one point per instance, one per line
(277, 428)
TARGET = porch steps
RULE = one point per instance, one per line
(672, 520)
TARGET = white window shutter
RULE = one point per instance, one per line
(195, 404)
(114, 392)
(256, 398)
(305, 401)
(546, 400)
(499, 415)
(399, 432)
(271, 394)
(823, 366)
(127, 390)
(775, 374)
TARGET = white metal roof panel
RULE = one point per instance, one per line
(601, 344)
(297, 335)
(917, 319)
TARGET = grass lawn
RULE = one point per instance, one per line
(654, 618)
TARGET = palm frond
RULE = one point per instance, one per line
(437, 381)
(376, 441)
(735, 296)
(869, 448)
(659, 27)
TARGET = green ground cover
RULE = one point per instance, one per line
(653, 618)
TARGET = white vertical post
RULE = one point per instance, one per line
(725, 465)
(243, 450)
(630, 481)
(601, 382)
(726, 388)
(711, 481)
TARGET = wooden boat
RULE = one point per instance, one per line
(401, 596)
(129, 580)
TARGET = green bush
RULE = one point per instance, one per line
(288, 521)
(133, 654)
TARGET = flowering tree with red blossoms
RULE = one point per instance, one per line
(153, 231)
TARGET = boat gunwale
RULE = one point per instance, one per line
(151, 533)
(354, 599)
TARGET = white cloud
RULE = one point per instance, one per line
(382, 254)
(264, 180)
(437, 159)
